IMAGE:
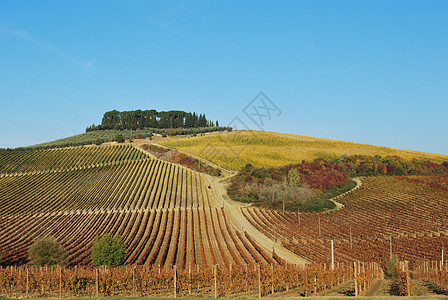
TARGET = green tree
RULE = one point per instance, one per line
(46, 251)
(108, 250)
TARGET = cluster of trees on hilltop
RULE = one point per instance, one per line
(152, 119)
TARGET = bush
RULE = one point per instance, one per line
(392, 267)
(46, 251)
(119, 138)
(108, 250)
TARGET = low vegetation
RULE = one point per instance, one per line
(102, 136)
(269, 149)
(181, 158)
(392, 267)
(308, 186)
(46, 251)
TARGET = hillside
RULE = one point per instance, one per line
(405, 215)
(233, 150)
(166, 214)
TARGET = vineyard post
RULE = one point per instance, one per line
(319, 226)
(259, 281)
(230, 277)
(60, 282)
(133, 281)
(306, 280)
(41, 280)
(175, 281)
(215, 281)
(408, 287)
(332, 255)
(272, 279)
(298, 215)
(283, 206)
(189, 279)
(356, 278)
(442, 256)
(351, 238)
(96, 282)
(391, 246)
(27, 282)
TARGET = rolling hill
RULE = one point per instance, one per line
(166, 214)
(233, 150)
(171, 215)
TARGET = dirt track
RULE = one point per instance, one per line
(236, 217)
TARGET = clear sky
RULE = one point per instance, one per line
(373, 72)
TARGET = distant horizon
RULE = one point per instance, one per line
(371, 72)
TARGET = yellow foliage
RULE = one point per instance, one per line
(232, 150)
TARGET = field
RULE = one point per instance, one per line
(170, 215)
(405, 215)
(166, 214)
(197, 281)
(233, 150)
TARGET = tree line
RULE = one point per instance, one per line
(308, 185)
(139, 119)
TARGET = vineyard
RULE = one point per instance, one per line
(233, 150)
(404, 215)
(213, 281)
(166, 214)
(25, 161)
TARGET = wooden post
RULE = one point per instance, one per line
(230, 277)
(97, 283)
(246, 278)
(391, 246)
(133, 281)
(272, 279)
(306, 280)
(332, 255)
(442, 256)
(41, 280)
(298, 215)
(60, 282)
(283, 206)
(356, 278)
(175, 281)
(319, 226)
(27, 282)
(408, 281)
(259, 281)
(189, 279)
(216, 283)
(351, 243)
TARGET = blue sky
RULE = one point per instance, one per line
(373, 72)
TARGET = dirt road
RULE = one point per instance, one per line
(239, 222)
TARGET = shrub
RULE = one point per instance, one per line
(119, 138)
(46, 251)
(108, 250)
(392, 267)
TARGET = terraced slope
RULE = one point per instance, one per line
(166, 214)
(23, 161)
(409, 214)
